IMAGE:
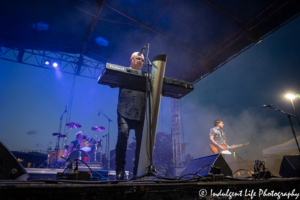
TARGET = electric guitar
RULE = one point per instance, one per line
(217, 150)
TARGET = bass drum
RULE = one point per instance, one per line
(80, 155)
(57, 154)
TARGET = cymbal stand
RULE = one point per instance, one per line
(47, 162)
(56, 152)
(107, 144)
(61, 117)
(59, 130)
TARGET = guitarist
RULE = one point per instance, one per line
(217, 137)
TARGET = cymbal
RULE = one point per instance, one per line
(98, 128)
(73, 125)
(59, 135)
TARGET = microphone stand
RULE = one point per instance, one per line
(61, 117)
(60, 124)
(289, 116)
(59, 130)
(107, 138)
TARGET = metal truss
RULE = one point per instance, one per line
(176, 137)
(264, 24)
(67, 63)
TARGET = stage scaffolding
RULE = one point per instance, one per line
(67, 62)
(176, 136)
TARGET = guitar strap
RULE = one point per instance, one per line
(222, 134)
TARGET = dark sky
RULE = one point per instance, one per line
(32, 100)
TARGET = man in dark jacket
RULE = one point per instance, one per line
(131, 114)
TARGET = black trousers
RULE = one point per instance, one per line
(124, 126)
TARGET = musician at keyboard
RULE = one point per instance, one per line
(131, 114)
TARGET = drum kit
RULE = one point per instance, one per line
(88, 151)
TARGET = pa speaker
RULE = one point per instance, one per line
(203, 166)
(290, 166)
(10, 168)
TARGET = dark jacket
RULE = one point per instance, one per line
(132, 104)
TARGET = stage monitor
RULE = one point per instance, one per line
(204, 165)
(10, 168)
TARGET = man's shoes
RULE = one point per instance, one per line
(120, 176)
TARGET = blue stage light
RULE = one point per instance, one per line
(47, 62)
(55, 64)
(101, 41)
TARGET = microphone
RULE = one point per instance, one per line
(66, 108)
(99, 113)
(142, 50)
(270, 106)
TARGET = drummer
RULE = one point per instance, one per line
(76, 143)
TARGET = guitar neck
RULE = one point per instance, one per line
(238, 145)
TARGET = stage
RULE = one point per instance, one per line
(275, 188)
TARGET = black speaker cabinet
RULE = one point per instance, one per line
(10, 168)
(203, 163)
(290, 166)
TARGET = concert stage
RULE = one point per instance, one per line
(50, 174)
(151, 189)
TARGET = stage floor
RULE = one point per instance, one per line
(151, 189)
(50, 174)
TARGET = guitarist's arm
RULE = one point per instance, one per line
(214, 142)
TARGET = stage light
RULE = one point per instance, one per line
(47, 62)
(55, 64)
(290, 96)
(102, 41)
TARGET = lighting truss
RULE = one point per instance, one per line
(176, 136)
(67, 63)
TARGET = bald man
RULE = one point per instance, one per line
(131, 114)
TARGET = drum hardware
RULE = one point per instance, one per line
(60, 123)
(48, 156)
(98, 128)
(66, 159)
(107, 138)
(59, 135)
(54, 155)
(49, 147)
(73, 125)
(85, 145)
(95, 152)
(80, 155)
(45, 162)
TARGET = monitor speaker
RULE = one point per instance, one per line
(10, 168)
(204, 166)
(290, 166)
